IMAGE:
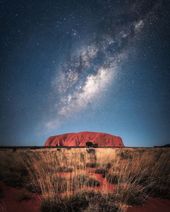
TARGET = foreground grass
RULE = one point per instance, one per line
(70, 179)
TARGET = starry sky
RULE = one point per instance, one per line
(85, 65)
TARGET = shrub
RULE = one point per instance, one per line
(49, 205)
(143, 180)
(108, 165)
(74, 203)
(132, 195)
(82, 158)
(91, 165)
(101, 171)
(91, 182)
(125, 155)
(23, 195)
(161, 191)
(81, 180)
(34, 188)
(100, 203)
(90, 151)
(113, 179)
(59, 184)
(89, 144)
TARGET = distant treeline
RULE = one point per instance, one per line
(163, 146)
(52, 147)
(69, 147)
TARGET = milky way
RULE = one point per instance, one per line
(93, 67)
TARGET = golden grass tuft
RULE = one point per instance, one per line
(97, 179)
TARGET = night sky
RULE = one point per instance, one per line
(90, 65)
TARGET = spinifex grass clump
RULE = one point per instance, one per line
(65, 178)
(55, 171)
(13, 171)
(59, 184)
(81, 201)
(84, 180)
(101, 171)
(91, 165)
(112, 178)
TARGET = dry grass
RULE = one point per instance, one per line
(67, 179)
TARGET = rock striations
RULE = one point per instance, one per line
(83, 139)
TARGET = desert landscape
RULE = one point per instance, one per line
(85, 179)
(85, 106)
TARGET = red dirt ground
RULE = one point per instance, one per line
(104, 185)
(152, 205)
(10, 204)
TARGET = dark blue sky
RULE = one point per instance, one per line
(94, 65)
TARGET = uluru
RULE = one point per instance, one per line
(83, 139)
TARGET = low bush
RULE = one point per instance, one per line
(131, 195)
(82, 201)
(83, 180)
(125, 155)
(74, 203)
(23, 195)
(59, 184)
(161, 191)
(108, 165)
(34, 188)
(101, 171)
(113, 179)
(91, 182)
(91, 165)
(90, 150)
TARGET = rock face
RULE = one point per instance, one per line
(85, 139)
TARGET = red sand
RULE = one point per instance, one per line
(152, 205)
(80, 139)
(105, 186)
(9, 202)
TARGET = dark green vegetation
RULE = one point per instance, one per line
(89, 201)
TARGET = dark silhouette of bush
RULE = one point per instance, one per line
(91, 182)
(92, 201)
(108, 165)
(101, 171)
(91, 165)
(91, 144)
(74, 203)
(34, 188)
(132, 197)
(125, 155)
(59, 184)
(113, 179)
(84, 180)
(90, 151)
